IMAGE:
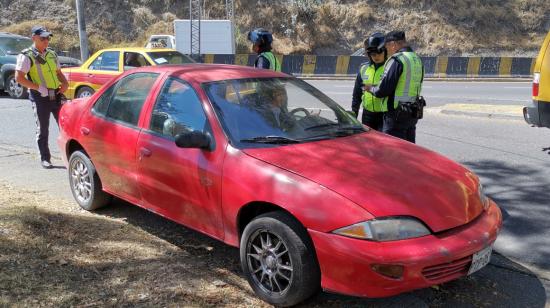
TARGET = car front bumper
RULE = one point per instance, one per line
(346, 262)
(537, 114)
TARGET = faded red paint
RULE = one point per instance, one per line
(326, 185)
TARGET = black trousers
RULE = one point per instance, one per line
(43, 107)
(400, 124)
(373, 120)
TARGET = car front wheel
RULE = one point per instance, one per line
(278, 259)
(85, 183)
(14, 89)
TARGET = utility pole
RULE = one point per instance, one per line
(82, 31)
(230, 12)
(195, 27)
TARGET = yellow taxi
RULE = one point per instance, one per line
(108, 63)
(538, 114)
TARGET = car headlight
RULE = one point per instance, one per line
(483, 197)
(385, 229)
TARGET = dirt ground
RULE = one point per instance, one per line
(53, 254)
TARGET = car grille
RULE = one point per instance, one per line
(447, 270)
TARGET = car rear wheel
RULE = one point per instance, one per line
(278, 259)
(14, 89)
(85, 183)
(84, 92)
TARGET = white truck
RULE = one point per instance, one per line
(161, 41)
(216, 36)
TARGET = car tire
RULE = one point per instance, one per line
(14, 89)
(278, 259)
(84, 92)
(85, 183)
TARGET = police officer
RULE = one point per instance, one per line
(261, 40)
(38, 70)
(400, 87)
(370, 73)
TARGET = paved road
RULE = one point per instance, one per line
(438, 93)
(512, 159)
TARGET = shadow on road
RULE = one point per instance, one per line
(522, 193)
(501, 283)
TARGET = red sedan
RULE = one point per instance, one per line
(265, 162)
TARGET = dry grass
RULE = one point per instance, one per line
(448, 27)
(53, 254)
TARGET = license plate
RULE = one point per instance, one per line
(480, 259)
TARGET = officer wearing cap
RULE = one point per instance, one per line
(370, 73)
(261, 44)
(400, 87)
(38, 70)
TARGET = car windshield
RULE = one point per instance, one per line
(169, 57)
(14, 45)
(274, 111)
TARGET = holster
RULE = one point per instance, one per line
(415, 109)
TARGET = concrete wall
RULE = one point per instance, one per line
(459, 67)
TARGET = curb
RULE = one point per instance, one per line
(512, 112)
(483, 115)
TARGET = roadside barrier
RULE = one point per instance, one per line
(438, 67)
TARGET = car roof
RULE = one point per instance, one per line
(6, 34)
(202, 73)
(136, 49)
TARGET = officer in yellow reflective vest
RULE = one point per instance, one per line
(401, 86)
(370, 73)
(261, 44)
(38, 70)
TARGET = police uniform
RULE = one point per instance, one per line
(41, 69)
(261, 40)
(267, 60)
(401, 86)
(369, 74)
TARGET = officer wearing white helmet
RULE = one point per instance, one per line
(370, 73)
(261, 44)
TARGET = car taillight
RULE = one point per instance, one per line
(536, 81)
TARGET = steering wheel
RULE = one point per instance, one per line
(294, 111)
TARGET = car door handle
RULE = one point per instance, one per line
(145, 152)
(85, 131)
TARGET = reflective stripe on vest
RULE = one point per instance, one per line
(372, 76)
(274, 65)
(409, 85)
(44, 73)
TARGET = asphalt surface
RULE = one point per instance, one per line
(511, 158)
(439, 93)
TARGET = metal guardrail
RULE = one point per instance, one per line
(435, 67)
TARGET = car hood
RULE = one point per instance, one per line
(386, 176)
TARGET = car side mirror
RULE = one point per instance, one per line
(195, 139)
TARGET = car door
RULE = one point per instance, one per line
(183, 184)
(110, 132)
(102, 69)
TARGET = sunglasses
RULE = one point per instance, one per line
(44, 39)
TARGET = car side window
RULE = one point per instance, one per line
(134, 59)
(129, 95)
(102, 103)
(106, 61)
(178, 109)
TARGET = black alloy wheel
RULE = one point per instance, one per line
(278, 259)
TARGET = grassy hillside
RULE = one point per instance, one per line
(333, 27)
